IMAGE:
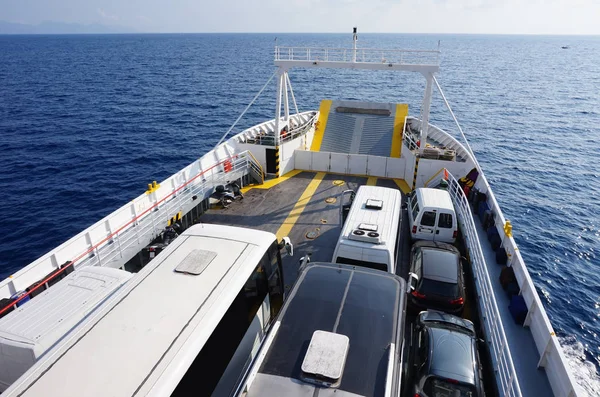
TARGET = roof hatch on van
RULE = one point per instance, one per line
(325, 358)
(373, 204)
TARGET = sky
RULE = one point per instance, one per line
(318, 16)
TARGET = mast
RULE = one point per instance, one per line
(354, 40)
(425, 111)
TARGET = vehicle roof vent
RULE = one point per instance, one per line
(325, 358)
(374, 204)
(195, 262)
(366, 233)
(367, 227)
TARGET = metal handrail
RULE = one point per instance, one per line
(368, 55)
(506, 375)
(145, 224)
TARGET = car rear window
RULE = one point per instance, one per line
(445, 221)
(428, 219)
(358, 262)
(433, 287)
(435, 387)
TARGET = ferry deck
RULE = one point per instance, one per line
(299, 205)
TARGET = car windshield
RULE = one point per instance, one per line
(443, 388)
(434, 287)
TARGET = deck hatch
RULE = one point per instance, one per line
(196, 261)
(326, 357)
(374, 204)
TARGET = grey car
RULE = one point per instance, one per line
(444, 357)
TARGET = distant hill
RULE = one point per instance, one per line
(51, 27)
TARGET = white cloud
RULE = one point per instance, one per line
(105, 15)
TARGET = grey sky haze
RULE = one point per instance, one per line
(403, 16)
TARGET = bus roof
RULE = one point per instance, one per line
(144, 339)
(374, 206)
(365, 305)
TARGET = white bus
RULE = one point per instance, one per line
(371, 231)
(340, 333)
(189, 323)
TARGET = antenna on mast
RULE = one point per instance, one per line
(354, 39)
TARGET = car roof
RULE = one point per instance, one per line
(435, 198)
(435, 244)
(363, 304)
(440, 265)
(451, 355)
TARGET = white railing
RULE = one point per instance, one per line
(363, 55)
(506, 376)
(264, 133)
(409, 136)
(117, 238)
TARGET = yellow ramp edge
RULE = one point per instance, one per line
(372, 181)
(321, 124)
(401, 113)
(402, 185)
(289, 222)
(272, 182)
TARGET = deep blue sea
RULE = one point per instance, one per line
(87, 121)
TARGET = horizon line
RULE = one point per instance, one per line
(296, 33)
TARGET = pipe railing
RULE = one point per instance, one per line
(363, 55)
(148, 225)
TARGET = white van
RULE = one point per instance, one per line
(27, 333)
(370, 233)
(431, 215)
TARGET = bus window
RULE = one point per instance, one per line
(255, 289)
(201, 379)
(275, 281)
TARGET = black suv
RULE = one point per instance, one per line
(444, 357)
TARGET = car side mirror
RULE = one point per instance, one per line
(413, 280)
(287, 244)
(304, 260)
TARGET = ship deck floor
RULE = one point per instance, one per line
(294, 205)
(276, 209)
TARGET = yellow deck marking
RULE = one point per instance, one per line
(322, 123)
(372, 181)
(273, 182)
(402, 185)
(401, 113)
(292, 218)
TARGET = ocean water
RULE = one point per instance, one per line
(87, 121)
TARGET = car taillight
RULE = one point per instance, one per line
(452, 381)
(458, 301)
(454, 234)
(417, 395)
(414, 230)
(417, 294)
